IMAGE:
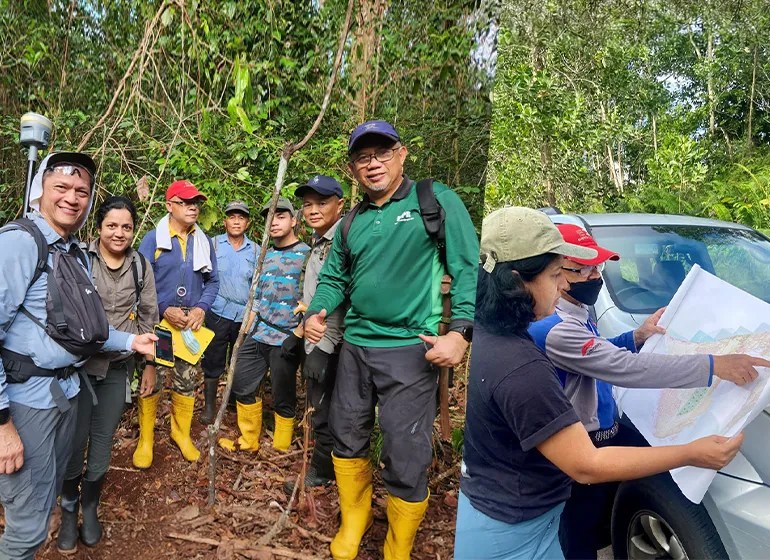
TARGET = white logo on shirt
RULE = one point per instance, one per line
(405, 217)
(88, 292)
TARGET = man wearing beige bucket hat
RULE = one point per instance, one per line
(524, 443)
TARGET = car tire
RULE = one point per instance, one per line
(657, 500)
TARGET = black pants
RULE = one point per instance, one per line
(320, 395)
(96, 425)
(403, 383)
(585, 521)
(221, 347)
(254, 359)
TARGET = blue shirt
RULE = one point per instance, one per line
(18, 258)
(236, 270)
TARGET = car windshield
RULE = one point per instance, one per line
(654, 261)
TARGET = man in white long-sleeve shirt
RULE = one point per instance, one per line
(588, 365)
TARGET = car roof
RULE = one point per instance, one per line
(631, 219)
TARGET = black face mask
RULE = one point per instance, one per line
(586, 292)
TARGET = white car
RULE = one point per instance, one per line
(650, 517)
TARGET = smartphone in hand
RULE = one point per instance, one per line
(164, 347)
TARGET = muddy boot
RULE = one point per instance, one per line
(91, 529)
(67, 541)
(210, 396)
(319, 473)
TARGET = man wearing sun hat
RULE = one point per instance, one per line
(186, 279)
(588, 365)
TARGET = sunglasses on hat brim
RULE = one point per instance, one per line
(65, 168)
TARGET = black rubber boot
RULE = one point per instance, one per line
(67, 541)
(91, 529)
(210, 395)
(319, 473)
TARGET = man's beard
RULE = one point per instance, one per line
(378, 188)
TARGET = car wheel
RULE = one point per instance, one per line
(652, 519)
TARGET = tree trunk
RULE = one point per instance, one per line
(749, 136)
(710, 82)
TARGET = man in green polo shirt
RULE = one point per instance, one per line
(392, 352)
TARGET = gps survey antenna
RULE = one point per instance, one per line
(34, 135)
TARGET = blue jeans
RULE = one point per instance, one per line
(480, 536)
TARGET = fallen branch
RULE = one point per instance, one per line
(248, 550)
(444, 475)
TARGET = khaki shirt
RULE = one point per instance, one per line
(334, 329)
(117, 290)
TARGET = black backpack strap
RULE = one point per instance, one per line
(433, 216)
(347, 222)
(138, 265)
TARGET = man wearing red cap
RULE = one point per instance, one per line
(186, 280)
(588, 365)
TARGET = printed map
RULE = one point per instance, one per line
(706, 316)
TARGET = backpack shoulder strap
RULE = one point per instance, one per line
(25, 224)
(433, 216)
(138, 266)
(347, 222)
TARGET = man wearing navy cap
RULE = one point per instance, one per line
(322, 204)
(391, 269)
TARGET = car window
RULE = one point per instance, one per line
(654, 261)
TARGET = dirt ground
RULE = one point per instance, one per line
(161, 512)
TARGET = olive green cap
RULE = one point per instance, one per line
(515, 233)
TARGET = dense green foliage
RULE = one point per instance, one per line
(640, 105)
(216, 89)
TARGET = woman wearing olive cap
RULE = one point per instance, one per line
(524, 443)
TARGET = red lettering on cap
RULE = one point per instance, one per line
(587, 347)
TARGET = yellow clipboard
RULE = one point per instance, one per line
(203, 335)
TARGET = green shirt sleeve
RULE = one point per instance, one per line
(462, 256)
(333, 280)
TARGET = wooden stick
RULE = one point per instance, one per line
(288, 151)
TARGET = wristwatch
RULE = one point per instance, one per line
(5, 416)
(466, 331)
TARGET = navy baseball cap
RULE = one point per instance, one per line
(372, 127)
(323, 185)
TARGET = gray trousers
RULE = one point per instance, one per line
(29, 495)
(96, 425)
(403, 384)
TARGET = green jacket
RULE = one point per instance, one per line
(394, 277)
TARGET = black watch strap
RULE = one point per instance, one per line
(5, 415)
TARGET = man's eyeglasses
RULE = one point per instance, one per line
(69, 169)
(585, 271)
(187, 203)
(380, 155)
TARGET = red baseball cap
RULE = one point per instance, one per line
(578, 236)
(184, 190)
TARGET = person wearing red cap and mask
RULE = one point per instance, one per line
(185, 267)
(588, 365)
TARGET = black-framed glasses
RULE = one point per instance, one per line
(585, 271)
(187, 203)
(382, 156)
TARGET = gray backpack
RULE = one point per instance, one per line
(76, 319)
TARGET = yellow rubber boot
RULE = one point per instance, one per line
(181, 418)
(354, 485)
(404, 519)
(250, 424)
(147, 407)
(284, 432)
